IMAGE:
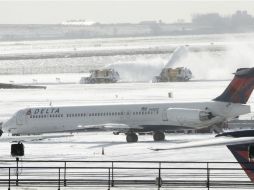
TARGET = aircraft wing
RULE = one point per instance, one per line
(111, 127)
(31, 138)
(209, 142)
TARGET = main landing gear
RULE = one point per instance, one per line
(131, 137)
(158, 136)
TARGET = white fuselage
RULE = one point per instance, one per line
(149, 116)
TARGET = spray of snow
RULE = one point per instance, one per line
(179, 54)
(205, 65)
(139, 70)
(219, 65)
(146, 70)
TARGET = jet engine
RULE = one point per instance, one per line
(185, 115)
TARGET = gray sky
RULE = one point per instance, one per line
(108, 11)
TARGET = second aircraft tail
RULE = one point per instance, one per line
(242, 154)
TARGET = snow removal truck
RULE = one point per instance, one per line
(174, 75)
(100, 76)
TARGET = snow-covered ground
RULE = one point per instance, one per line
(63, 89)
(212, 65)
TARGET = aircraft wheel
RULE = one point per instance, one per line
(158, 136)
(92, 81)
(131, 137)
(1, 132)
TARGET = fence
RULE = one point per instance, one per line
(122, 174)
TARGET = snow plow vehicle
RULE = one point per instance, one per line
(178, 74)
(169, 73)
(100, 76)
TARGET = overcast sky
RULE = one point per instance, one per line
(108, 11)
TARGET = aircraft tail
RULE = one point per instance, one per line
(240, 88)
(241, 153)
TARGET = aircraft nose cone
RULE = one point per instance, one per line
(4, 126)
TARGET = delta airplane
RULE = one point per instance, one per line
(133, 118)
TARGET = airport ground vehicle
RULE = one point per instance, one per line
(174, 75)
(100, 76)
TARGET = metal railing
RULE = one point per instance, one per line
(124, 174)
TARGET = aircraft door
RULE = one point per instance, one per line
(127, 115)
(20, 117)
(164, 115)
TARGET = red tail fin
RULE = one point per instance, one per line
(241, 154)
(240, 88)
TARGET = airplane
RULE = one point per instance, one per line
(137, 117)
